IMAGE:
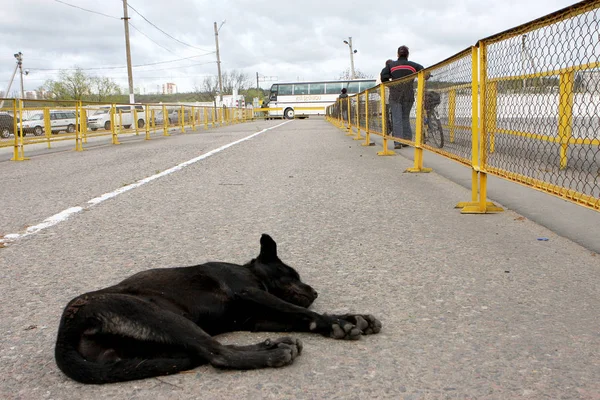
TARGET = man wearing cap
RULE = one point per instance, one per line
(402, 96)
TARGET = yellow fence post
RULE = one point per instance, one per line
(193, 112)
(149, 119)
(165, 121)
(478, 203)
(358, 135)
(491, 113)
(565, 114)
(205, 112)
(385, 151)
(78, 145)
(367, 130)
(418, 164)
(452, 113)
(135, 121)
(47, 126)
(115, 138)
(84, 125)
(182, 119)
(348, 120)
(18, 150)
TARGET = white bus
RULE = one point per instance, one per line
(301, 99)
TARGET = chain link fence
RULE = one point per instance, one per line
(542, 101)
(523, 105)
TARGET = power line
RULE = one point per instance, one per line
(177, 40)
(149, 38)
(113, 17)
(123, 66)
(85, 9)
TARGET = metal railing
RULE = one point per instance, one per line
(26, 122)
(523, 105)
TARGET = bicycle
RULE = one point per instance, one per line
(431, 121)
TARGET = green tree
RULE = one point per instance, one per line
(103, 88)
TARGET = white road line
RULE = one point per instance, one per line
(65, 214)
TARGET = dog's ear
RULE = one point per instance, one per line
(268, 248)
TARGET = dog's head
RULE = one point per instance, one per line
(280, 279)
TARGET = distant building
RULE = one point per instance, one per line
(169, 88)
(234, 100)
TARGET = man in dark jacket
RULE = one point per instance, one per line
(402, 95)
(344, 104)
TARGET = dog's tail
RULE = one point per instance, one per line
(72, 363)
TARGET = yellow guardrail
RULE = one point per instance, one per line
(264, 112)
(522, 105)
(25, 122)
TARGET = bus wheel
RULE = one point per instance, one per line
(289, 113)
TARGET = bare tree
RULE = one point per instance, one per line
(347, 74)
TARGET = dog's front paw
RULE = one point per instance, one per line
(283, 351)
(342, 329)
(352, 326)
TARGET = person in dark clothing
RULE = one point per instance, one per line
(387, 65)
(344, 103)
(402, 96)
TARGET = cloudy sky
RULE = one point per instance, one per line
(174, 41)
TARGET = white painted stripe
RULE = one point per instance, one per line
(65, 214)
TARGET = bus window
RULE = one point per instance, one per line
(353, 87)
(334, 88)
(366, 85)
(301, 88)
(316, 88)
(285, 89)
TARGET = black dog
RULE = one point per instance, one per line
(160, 321)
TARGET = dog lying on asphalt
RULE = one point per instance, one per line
(161, 321)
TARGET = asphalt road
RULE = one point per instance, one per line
(473, 306)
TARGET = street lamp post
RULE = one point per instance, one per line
(352, 52)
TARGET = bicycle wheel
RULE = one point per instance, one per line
(435, 131)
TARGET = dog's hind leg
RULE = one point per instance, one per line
(270, 344)
(115, 337)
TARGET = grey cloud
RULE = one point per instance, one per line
(286, 39)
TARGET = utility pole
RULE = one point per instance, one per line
(219, 57)
(128, 51)
(264, 79)
(352, 52)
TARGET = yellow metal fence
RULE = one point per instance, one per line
(523, 105)
(43, 121)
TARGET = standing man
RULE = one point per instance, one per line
(402, 95)
(343, 97)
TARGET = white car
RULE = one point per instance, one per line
(101, 118)
(60, 120)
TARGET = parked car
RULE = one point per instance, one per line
(101, 118)
(159, 118)
(174, 115)
(7, 125)
(60, 120)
